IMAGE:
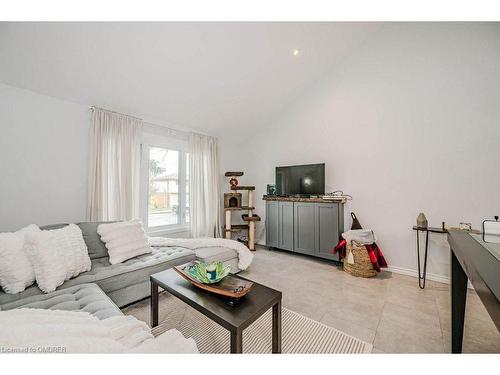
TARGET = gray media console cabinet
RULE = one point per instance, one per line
(304, 225)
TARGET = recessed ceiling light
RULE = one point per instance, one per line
(296, 52)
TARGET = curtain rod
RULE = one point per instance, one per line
(163, 127)
(170, 130)
(93, 107)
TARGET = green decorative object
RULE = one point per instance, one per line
(208, 273)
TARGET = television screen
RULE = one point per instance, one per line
(300, 180)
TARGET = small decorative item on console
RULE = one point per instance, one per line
(337, 195)
(421, 220)
(465, 226)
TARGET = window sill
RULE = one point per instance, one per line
(167, 230)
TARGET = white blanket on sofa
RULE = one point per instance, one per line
(38, 330)
(245, 256)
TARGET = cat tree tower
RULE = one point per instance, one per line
(233, 202)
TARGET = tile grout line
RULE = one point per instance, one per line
(378, 324)
(440, 325)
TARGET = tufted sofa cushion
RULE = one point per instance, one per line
(84, 297)
(118, 276)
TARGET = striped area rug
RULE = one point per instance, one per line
(299, 333)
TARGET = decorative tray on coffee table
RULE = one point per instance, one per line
(229, 286)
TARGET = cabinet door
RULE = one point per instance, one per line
(285, 234)
(272, 223)
(328, 220)
(305, 227)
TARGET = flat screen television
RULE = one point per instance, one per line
(300, 180)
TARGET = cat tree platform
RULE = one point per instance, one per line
(233, 202)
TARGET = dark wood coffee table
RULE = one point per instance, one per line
(233, 318)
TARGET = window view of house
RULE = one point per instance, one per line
(163, 199)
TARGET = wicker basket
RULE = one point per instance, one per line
(362, 266)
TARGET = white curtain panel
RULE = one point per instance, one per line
(114, 166)
(204, 194)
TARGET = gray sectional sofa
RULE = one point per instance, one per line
(106, 288)
(83, 297)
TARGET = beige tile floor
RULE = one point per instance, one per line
(389, 311)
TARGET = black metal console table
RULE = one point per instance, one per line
(426, 230)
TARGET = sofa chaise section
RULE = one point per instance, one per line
(84, 297)
(91, 299)
(128, 282)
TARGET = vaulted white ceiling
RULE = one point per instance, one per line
(224, 79)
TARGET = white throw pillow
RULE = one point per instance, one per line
(57, 255)
(124, 240)
(16, 271)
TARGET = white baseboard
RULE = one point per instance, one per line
(413, 273)
(408, 272)
(429, 276)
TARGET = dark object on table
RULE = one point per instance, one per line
(234, 318)
(426, 230)
(421, 220)
(271, 189)
(229, 286)
(483, 270)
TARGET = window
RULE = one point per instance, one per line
(165, 185)
(163, 194)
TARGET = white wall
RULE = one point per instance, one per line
(43, 159)
(409, 123)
